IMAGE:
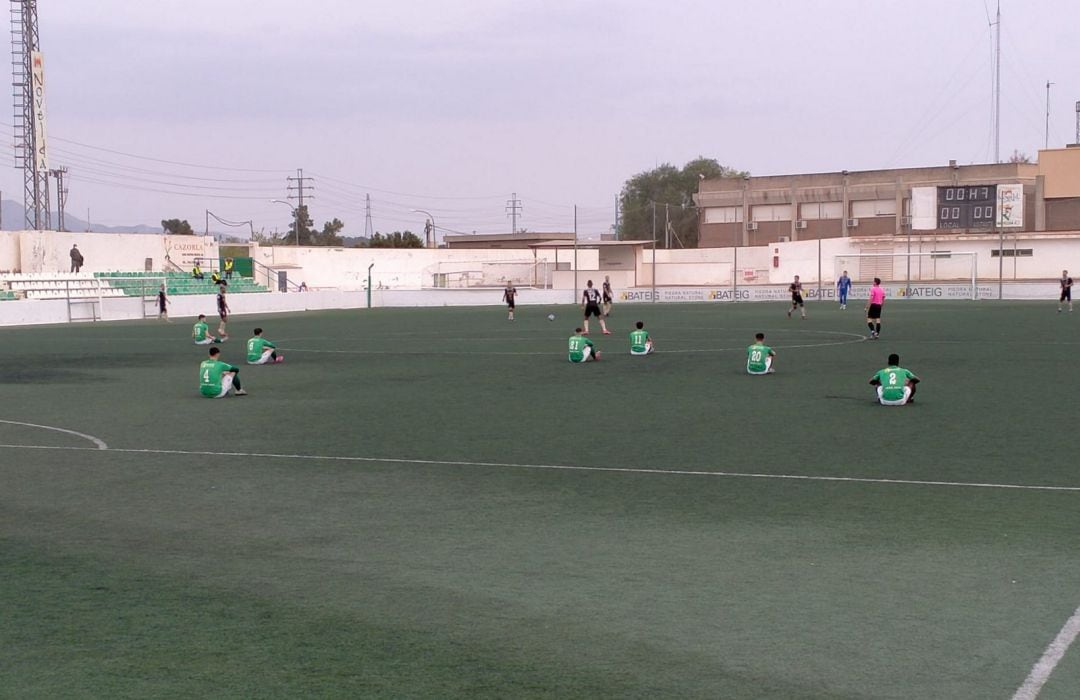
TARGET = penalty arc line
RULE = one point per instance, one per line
(1046, 664)
(562, 467)
(97, 441)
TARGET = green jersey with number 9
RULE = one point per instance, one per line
(893, 380)
(756, 356)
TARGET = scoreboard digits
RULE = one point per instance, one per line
(968, 206)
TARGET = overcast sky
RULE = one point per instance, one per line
(451, 107)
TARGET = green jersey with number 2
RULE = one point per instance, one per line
(638, 340)
(577, 346)
(756, 356)
(893, 380)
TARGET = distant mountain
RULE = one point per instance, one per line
(12, 219)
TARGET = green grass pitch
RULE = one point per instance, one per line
(401, 510)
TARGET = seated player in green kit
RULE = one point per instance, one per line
(759, 356)
(261, 351)
(895, 385)
(200, 332)
(217, 378)
(640, 342)
(581, 348)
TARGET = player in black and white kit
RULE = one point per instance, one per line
(1066, 290)
(608, 296)
(162, 302)
(508, 296)
(223, 313)
(796, 298)
(590, 302)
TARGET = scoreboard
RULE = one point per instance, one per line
(966, 206)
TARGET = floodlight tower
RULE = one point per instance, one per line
(28, 87)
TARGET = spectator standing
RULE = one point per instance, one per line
(76, 258)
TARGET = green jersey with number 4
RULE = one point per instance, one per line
(199, 331)
(756, 356)
(638, 340)
(893, 380)
(577, 346)
(256, 346)
(210, 373)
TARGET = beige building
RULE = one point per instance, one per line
(519, 241)
(763, 210)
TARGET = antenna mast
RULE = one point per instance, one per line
(997, 88)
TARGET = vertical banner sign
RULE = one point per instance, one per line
(1010, 209)
(37, 77)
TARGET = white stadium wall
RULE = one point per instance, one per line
(49, 251)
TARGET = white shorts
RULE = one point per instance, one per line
(226, 385)
(648, 349)
(898, 402)
(768, 366)
(264, 359)
(586, 354)
(206, 341)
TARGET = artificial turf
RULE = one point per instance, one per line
(236, 558)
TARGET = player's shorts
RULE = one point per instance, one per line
(267, 353)
(874, 311)
(1066, 294)
(224, 316)
(897, 402)
(647, 351)
(161, 308)
(586, 355)
(592, 310)
(607, 299)
(768, 366)
(226, 386)
(205, 341)
(796, 300)
(510, 305)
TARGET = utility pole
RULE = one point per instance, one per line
(1046, 140)
(618, 213)
(513, 210)
(997, 87)
(368, 229)
(667, 226)
(61, 196)
(298, 190)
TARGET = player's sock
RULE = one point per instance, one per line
(236, 382)
(870, 326)
(877, 329)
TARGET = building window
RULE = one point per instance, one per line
(771, 212)
(723, 215)
(1010, 252)
(814, 211)
(868, 209)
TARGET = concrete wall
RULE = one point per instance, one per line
(48, 251)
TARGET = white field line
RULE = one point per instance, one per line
(100, 443)
(855, 338)
(560, 467)
(1042, 669)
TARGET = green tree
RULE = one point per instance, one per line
(330, 234)
(671, 191)
(397, 239)
(176, 227)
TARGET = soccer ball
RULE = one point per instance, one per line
(551, 317)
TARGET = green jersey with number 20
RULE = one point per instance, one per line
(638, 340)
(893, 380)
(756, 356)
(577, 346)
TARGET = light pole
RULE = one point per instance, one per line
(431, 238)
(296, 216)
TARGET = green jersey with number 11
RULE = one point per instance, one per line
(756, 356)
(638, 340)
(893, 380)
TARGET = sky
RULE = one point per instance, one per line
(172, 108)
